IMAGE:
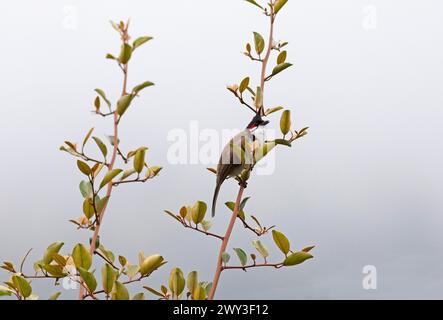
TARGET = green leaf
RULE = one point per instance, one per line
(153, 291)
(109, 176)
(260, 248)
(125, 53)
(297, 258)
(102, 94)
(281, 57)
(120, 292)
(110, 56)
(139, 41)
(254, 3)
(242, 256)
(198, 211)
(258, 100)
(192, 282)
(280, 67)
(88, 208)
(285, 122)
(259, 43)
(4, 291)
(55, 296)
(122, 261)
(139, 160)
(54, 270)
(225, 257)
(142, 86)
(108, 253)
(151, 264)
(109, 275)
(81, 257)
(231, 206)
(123, 103)
(278, 5)
(83, 167)
(132, 270)
(49, 253)
(206, 224)
(272, 110)
(176, 282)
(139, 296)
(100, 203)
(281, 241)
(127, 173)
(101, 146)
(88, 135)
(88, 278)
(243, 85)
(243, 203)
(283, 142)
(85, 189)
(22, 285)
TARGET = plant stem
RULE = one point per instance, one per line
(225, 243)
(268, 52)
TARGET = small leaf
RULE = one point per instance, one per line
(272, 110)
(231, 206)
(258, 101)
(22, 285)
(4, 291)
(127, 173)
(260, 248)
(101, 146)
(132, 270)
(206, 225)
(102, 94)
(139, 41)
(55, 296)
(259, 43)
(88, 208)
(285, 122)
(109, 275)
(109, 176)
(307, 249)
(278, 5)
(153, 291)
(81, 257)
(139, 160)
(88, 135)
(254, 3)
(125, 53)
(281, 241)
(122, 260)
(281, 57)
(283, 142)
(50, 251)
(199, 211)
(192, 282)
(176, 282)
(54, 270)
(151, 264)
(123, 103)
(280, 67)
(142, 86)
(110, 56)
(297, 258)
(120, 292)
(242, 256)
(243, 84)
(139, 296)
(100, 203)
(86, 189)
(225, 257)
(243, 202)
(83, 167)
(88, 278)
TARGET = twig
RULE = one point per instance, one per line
(107, 260)
(275, 265)
(202, 231)
(24, 259)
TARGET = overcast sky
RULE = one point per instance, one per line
(364, 186)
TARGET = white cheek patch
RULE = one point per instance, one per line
(260, 134)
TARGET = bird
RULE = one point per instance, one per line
(230, 164)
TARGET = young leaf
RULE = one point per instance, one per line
(192, 282)
(259, 43)
(280, 67)
(88, 278)
(307, 249)
(55, 296)
(206, 224)
(151, 264)
(22, 285)
(198, 211)
(153, 291)
(176, 282)
(4, 291)
(281, 57)
(101, 146)
(260, 248)
(88, 208)
(297, 258)
(258, 101)
(83, 167)
(120, 292)
(242, 256)
(88, 135)
(139, 160)
(139, 296)
(50, 251)
(231, 206)
(285, 122)
(81, 257)
(123, 104)
(142, 86)
(109, 176)
(281, 241)
(272, 110)
(254, 3)
(102, 94)
(125, 53)
(85, 189)
(225, 257)
(278, 5)
(139, 41)
(54, 270)
(243, 84)
(109, 275)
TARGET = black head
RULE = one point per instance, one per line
(256, 122)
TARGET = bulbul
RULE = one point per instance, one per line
(231, 164)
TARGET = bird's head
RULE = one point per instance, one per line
(256, 122)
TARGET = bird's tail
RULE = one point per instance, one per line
(214, 199)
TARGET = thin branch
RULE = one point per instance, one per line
(242, 101)
(24, 259)
(107, 260)
(274, 265)
(202, 231)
